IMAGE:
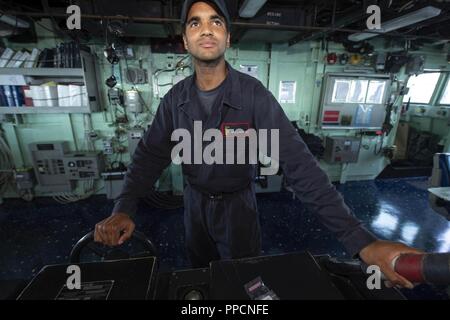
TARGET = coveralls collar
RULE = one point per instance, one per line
(232, 95)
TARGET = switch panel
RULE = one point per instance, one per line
(342, 149)
(83, 165)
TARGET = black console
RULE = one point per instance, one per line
(108, 280)
(293, 276)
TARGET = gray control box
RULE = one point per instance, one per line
(342, 149)
(48, 163)
(56, 169)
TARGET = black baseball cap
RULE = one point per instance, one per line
(218, 4)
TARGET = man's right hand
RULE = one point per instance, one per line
(114, 230)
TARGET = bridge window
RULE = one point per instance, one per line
(421, 87)
(354, 101)
(358, 91)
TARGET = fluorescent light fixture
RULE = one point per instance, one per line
(14, 21)
(250, 8)
(398, 23)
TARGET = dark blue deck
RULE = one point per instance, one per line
(43, 232)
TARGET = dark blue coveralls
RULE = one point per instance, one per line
(221, 215)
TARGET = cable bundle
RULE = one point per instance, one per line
(6, 166)
(67, 197)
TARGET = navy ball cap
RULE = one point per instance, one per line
(219, 4)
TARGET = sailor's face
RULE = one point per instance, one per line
(206, 37)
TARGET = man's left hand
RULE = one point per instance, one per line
(381, 253)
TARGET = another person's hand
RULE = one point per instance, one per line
(381, 253)
(114, 230)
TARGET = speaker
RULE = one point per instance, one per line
(193, 292)
(136, 76)
(190, 284)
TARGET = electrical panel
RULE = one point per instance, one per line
(342, 149)
(134, 136)
(48, 163)
(123, 51)
(56, 169)
(113, 183)
(133, 101)
(115, 96)
(83, 166)
(108, 147)
(24, 179)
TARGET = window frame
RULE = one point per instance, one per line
(327, 96)
(445, 83)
